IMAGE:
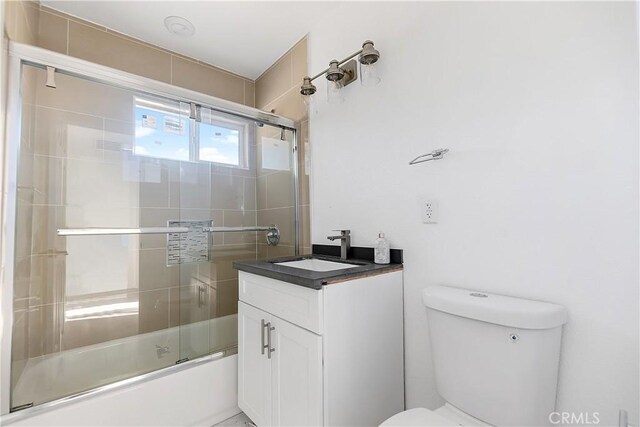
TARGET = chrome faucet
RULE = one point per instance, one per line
(345, 242)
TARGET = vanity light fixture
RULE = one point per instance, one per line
(341, 73)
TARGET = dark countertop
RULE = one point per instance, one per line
(314, 279)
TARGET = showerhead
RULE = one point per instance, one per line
(369, 54)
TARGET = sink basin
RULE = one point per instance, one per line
(314, 264)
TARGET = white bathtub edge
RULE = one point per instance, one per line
(204, 393)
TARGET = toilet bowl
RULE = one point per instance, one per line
(476, 338)
(446, 415)
(417, 417)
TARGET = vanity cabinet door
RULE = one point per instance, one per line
(296, 375)
(254, 368)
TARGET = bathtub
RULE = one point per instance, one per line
(198, 392)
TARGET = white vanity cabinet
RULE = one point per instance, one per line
(310, 357)
(286, 388)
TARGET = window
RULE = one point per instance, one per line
(221, 139)
(164, 130)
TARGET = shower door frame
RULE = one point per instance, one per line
(21, 54)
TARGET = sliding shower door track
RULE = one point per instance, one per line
(28, 410)
(42, 58)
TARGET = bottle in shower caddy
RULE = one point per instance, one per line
(381, 250)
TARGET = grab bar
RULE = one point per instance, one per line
(273, 233)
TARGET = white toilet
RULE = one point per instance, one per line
(495, 359)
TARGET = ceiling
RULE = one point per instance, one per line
(245, 37)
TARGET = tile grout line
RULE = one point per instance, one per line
(291, 68)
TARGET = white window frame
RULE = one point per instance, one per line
(194, 132)
(243, 140)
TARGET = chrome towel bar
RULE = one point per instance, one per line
(235, 229)
(99, 231)
(273, 233)
(434, 155)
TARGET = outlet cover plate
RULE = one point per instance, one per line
(430, 211)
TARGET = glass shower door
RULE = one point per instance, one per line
(117, 271)
(90, 308)
(97, 299)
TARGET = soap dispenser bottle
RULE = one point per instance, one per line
(381, 250)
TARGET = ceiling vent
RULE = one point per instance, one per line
(179, 26)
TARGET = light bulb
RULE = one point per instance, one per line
(310, 104)
(369, 75)
(334, 92)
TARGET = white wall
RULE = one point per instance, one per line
(538, 103)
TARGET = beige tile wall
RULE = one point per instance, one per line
(21, 20)
(28, 22)
(278, 90)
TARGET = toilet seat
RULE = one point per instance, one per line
(417, 417)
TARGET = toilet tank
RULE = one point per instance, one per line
(495, 357)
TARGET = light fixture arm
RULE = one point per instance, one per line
(339, 64)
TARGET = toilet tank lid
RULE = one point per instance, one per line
(492, 308)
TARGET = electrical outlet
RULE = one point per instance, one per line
(430, 212)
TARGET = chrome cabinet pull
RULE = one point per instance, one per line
(271, 349)
(262, 345)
